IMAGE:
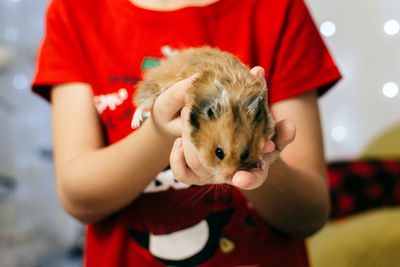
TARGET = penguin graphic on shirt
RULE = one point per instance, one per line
(191, 246)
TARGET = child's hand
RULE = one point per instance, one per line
(285, 132)
(167, 107)
(187, 167)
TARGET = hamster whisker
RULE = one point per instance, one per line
(207, 188)
(200, 194)
(214, 175)
(195, 195)
(211, 178)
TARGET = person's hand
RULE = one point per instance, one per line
(285, 131)
(167, 107)
(187, 167)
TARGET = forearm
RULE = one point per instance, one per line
(99, 182)
(292, 200)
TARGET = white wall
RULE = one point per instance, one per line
(368, 58)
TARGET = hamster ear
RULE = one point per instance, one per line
(256, 108)
(207, 109)
(212, 111)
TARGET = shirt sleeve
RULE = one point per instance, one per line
(60, 57)
(301, 60)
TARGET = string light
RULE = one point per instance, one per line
(328, 28)
(391, 27)
(339, 133)
(20, 81)
(390, 89)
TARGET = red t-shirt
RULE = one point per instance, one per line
(108, 44)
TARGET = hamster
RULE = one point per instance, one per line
(228, 109)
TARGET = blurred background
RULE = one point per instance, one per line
(34, 229)
(361, 124)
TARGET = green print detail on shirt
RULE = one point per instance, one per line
(149, 62)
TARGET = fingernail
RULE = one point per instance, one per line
(184, 113)
(178, 143)
(261, 74)
(193, 77)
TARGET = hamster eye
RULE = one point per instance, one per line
(219, 153)
(244, 155)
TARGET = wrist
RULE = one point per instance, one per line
(159, 134)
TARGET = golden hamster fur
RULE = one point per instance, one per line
(228, 115)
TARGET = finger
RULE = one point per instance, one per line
(285, 132)
(177, 161)
(258, 72)
(173, 99)
(247, 180)
(242, 179)
(269, 146)
(176, 126)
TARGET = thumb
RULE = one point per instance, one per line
(173, 99)
(258, 72)
(285, 132)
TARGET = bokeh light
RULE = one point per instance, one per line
(391, 27)
(20, 81)
(390, 89)
(339, 133)
(327, 28)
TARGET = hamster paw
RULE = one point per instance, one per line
(137, 118)
(140, 115)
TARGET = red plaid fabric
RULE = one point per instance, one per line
(360, 185)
